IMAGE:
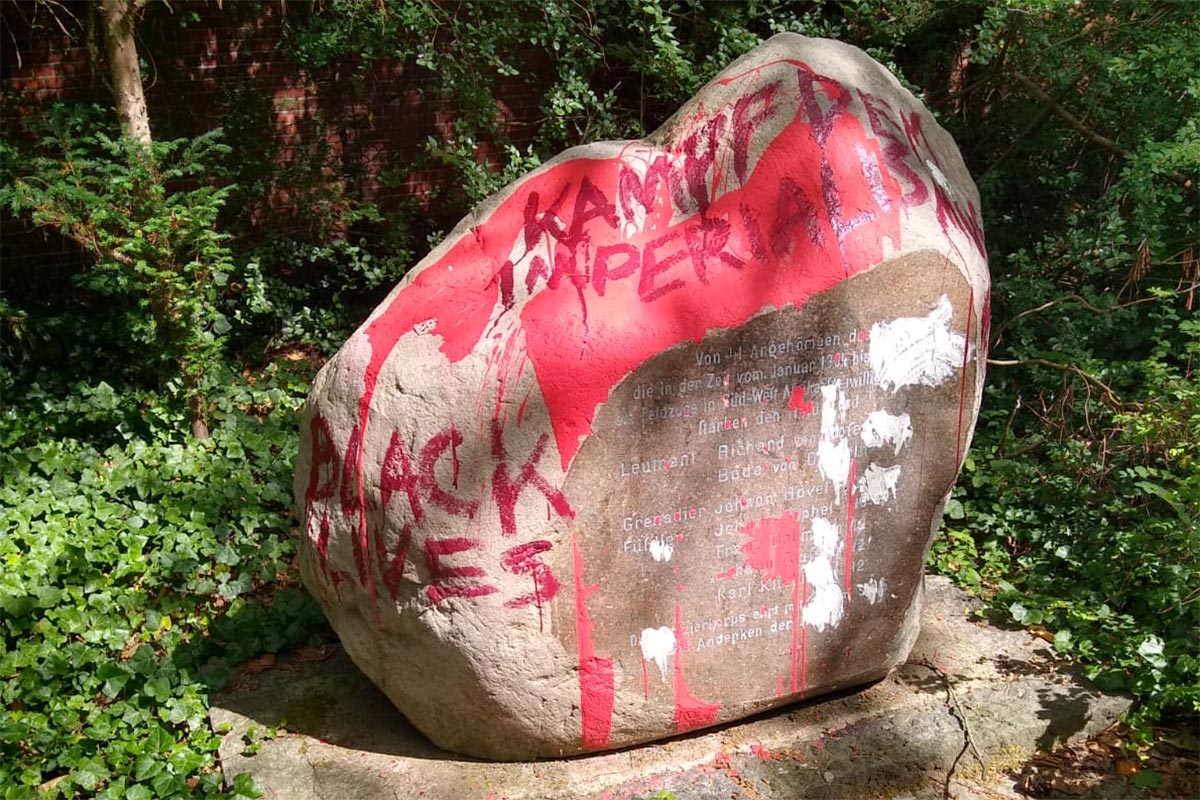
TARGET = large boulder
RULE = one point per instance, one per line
(659, 436)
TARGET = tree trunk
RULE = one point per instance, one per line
(120, 43)
(120, 20)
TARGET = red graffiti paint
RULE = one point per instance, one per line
(447, 582)
(690, 713)
(417, 477)
(798, 403)
(506, 490)
(762, 752)
(526, 559)
(803, 637)
(596, 687)
(773, 547)
(391, 562)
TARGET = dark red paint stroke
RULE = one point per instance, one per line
(596, 686)
(962, 386)
(850, 492)
(690, 713)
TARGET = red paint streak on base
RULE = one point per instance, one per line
(962, 386)
(850, 493)
(596, 687)
(690, 713)
(762, 752)
(797, 402)
(645, 680)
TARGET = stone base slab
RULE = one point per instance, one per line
(341, 739)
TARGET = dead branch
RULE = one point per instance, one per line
(1084, 130)
(1109, 395)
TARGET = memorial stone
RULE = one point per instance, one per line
(659, 436)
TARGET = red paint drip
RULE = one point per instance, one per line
(962, 386)
(797, 645)
(454, 453)
(645, 680)
(797, 402)
(690, 713)
(596, 687)
(850, 493)
(521, 408)
(803, 640)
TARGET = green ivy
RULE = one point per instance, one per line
(136, 576)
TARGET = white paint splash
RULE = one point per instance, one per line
(661, 550)
(833, 460)
(883, 427)
(878, 484)
(870, 171)
(833, 452)
(657, 645)
(939, 178)
(913, 351)
(825, 603)
(873, 590)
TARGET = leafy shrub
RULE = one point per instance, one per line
(136, 574)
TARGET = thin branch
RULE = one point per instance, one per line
(1084, 130)
(1109, 394)
(1083, 302)
(1068, 117)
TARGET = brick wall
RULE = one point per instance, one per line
(211, 65)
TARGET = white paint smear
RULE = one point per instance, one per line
(833, 452)
(873, 590)
(833, 406)
(661, 550)
(878, 484)
(833, 460)
(657, 645)
(939, 178)
(913, 351)
(825, 602)
(883, 428)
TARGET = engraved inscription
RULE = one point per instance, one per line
(762, 484)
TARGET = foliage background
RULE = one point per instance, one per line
(142, 564)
